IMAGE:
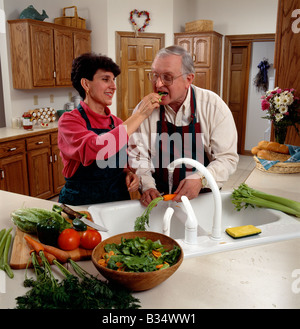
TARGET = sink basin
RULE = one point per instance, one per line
(120, 216)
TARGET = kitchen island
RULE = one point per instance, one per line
(264, 276)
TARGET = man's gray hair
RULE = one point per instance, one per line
(187, 61)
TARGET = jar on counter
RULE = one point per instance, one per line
(27, 123)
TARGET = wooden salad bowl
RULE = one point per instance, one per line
(137, 281)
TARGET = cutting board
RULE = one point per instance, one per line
(20, 251)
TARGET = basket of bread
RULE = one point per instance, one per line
(273, 157)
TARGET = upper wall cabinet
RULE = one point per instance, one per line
(42, 53)
(205, 48)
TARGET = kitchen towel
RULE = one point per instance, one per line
(295, 157)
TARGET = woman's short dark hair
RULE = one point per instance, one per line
(86, 65)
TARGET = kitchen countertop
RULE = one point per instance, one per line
(7, 134)
(265, 276)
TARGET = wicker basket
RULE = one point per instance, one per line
(199, 26)
(280, 167)
(73, 21)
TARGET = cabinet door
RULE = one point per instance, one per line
(186, 43)
(13, 174)
(82, 43)
(57, 168)
(42, 56)
(202, 78)
(63, 46)
(40, 172)
(202, 48)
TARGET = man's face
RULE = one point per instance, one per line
(176, 92)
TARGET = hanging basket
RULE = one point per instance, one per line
(73, 21)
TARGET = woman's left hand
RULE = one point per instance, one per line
(132, 181)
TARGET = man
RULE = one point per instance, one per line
(192, 122)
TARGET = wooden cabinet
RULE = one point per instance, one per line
(32, 166)
(57, 165)
(13, 167)
(44, 166)
(42, 53)
(205, 49)
(287, 55)
(39, 166)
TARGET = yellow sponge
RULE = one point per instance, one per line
(242, 231)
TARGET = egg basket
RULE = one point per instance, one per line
(73, 21)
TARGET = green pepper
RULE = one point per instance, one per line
(57, 209)
(79, 225)
(48, 231)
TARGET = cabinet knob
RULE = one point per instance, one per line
(2, 173)
(40, 142)
(12, 149)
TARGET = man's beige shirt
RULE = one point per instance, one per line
(219, 137)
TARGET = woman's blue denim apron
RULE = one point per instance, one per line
(91, 184)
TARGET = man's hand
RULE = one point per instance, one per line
(190, 187)
(148, 196)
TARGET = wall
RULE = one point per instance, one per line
(104, 17)
(256, 126)
(231, 16)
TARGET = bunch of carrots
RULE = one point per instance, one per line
(49, 252)
(79, 291)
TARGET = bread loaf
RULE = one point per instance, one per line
(273, 146)
(273, 156)
(254, 150)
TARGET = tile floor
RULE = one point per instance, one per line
(245, 166)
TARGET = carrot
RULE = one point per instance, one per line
(102, 262)
(37, 246)
(61, 255)
(159, 266)
(156, 253)
(169, 197)
(50, 258)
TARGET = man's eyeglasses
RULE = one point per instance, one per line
(166, 79)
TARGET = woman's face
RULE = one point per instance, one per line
(102, 88)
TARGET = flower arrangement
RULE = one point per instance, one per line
(282, 107)
(139, 14)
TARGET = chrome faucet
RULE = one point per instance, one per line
(216, 225)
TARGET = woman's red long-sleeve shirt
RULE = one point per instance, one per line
(78, 145)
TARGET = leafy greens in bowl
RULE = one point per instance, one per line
(138, 260)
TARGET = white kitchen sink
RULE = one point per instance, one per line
(120, 216)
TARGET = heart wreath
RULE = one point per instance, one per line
(139, 14)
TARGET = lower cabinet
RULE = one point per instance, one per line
(13, 167)
(35, 170)
(13, 174)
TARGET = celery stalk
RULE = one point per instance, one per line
(244, 196)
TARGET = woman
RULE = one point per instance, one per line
(92, 141)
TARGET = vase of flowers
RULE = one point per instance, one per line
(282, 108)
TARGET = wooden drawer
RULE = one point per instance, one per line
(11, 148)
(33, 143)
(54, 139)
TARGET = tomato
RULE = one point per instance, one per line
(69, 239)
(90, 239)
